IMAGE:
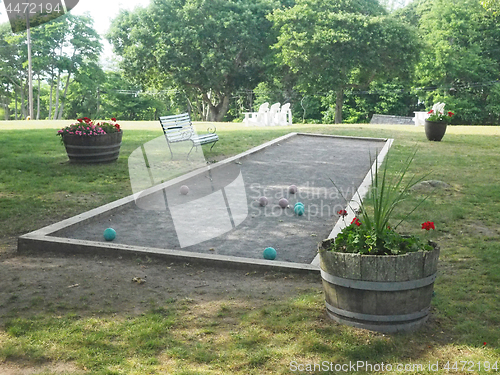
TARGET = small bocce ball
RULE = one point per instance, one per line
(299, 204)
(184, 190)
(263, 201)
(283, 202)
(269, 253)
(292, 189)
(299, 210)
(109, 234)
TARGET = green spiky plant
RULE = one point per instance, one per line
(370, 231)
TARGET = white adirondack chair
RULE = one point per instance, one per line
(285, 115)
(259, 118)
(420, 117)
(274, 113)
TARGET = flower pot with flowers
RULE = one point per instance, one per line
(436, 122)
(373, 276)
(87, 141)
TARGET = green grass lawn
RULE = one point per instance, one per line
(39, 187)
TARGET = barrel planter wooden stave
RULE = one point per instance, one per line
(103, 148)
(379, 293)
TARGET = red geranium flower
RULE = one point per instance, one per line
(342, 213)
(450, 114)
(428, 225)
(113, 119)
(356, 221)
(431, 111)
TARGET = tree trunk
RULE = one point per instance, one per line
(38, 101)
(59, 117)
(338, 106)
(15, 90)
(23, 110)
(56, 106)
(6, 108)
(50, 97)
(218, 112)
(98, 106)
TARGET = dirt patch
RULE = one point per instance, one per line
(479, 228)
(103, 284)
(52, 368)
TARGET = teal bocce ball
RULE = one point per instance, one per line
(299, 210)
(298, 204)
(269, 253)
(109, 234)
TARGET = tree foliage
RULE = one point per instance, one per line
(460, 63)
(210, 48)
(343, 44)
(59, 49)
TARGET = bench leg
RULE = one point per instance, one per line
(213, 146)
(171, 153)
(190, 151)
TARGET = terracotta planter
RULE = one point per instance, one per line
(97, 149)
(385, 293)
(434, 130)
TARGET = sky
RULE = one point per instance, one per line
(102, 11)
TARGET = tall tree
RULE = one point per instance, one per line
(12, 72)
(343, 44)
(210, 48)
(60, 48)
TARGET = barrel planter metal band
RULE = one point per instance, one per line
(378, 285)
(386, 293)
(103, 148)
(378, 318)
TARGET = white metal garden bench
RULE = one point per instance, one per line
(179, 128)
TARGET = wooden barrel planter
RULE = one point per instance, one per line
(96, 149)
(382, 293)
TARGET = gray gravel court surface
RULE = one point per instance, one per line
(242, 227)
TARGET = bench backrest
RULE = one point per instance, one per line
(177, 127)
